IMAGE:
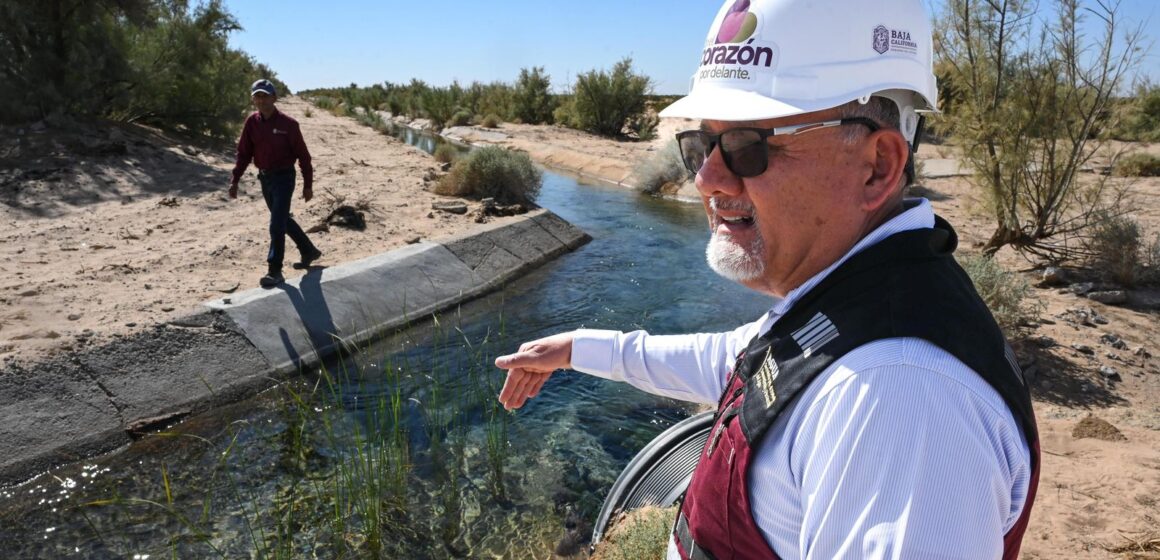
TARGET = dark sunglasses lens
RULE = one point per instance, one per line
(745, 152)
(694, 149)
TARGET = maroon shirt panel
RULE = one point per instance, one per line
(273, 143)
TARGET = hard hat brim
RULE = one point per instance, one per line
(720, 104)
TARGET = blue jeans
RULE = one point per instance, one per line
(278, 190)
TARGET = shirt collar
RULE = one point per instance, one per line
(917, 214)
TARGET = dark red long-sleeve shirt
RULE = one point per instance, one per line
(273, 143)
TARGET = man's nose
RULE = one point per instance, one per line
(714, 178)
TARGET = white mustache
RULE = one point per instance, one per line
(717, 204)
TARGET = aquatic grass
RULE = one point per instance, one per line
(382, 451)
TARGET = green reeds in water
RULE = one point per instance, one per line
(378, 456)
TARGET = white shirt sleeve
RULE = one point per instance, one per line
(689, 367)
(897, 451)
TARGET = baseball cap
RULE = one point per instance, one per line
(264, 86)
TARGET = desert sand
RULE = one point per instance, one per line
(110, 230)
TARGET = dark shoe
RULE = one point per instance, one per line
(271, 279)
(308, 257)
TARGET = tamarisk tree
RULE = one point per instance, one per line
(1029, 98)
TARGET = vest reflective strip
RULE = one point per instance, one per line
(686, 542)
(815, 334)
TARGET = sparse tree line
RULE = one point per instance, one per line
(614, 102)
(157, 62)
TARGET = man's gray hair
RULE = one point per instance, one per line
(881, 110)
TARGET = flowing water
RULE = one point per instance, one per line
(406, 431)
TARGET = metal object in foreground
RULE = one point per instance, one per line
(659, 474)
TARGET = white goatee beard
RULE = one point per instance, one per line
(729, 258)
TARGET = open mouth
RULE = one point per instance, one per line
(737, 220)
(731, 213)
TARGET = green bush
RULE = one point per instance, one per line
(445, 153)
(604, 102)
(495, 99)
(661, 171)
(1005, 293)
(1139, 116)
(1138, 165)
(324, 102)
(439, 106)
(565, 113)
(490, 121)
(509, 177)
(167, 64)
(461, 117)
(532, 101)
(644, 125)
(369, 118)
(1114, 249)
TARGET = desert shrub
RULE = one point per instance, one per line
(565, 113)
(445, 153)
(461, 117)
(1114, 249)
(532, 100)
(1031, 99)
(662, 168)
(439, 106)
(605, 101)
(167, 64)
(324, 102)
(308, 113)
(644, 125)
(641, 534)
(509, 177)
(1140, 121)
(490, 121)
(1138, 165)
(369, 118)
(493, 99)
(1005, 293)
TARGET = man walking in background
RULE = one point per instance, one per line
(875, 411)
(273, 141)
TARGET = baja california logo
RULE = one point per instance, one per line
(898, 41)
(881, 39)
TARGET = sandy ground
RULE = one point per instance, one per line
(111, 230)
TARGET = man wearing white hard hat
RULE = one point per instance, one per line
(875, 411)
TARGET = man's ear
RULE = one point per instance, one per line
(887, 152)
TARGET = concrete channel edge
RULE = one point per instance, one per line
(92, 401)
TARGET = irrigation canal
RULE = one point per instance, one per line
(399, 450)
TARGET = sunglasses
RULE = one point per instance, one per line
(744, 149)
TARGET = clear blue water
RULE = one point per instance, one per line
(232, 474)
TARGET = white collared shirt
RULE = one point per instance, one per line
(897, 450)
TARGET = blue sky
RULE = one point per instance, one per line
(316, 44)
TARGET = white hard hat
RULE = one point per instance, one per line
(766, 59)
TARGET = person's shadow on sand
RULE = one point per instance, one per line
(310, 304)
